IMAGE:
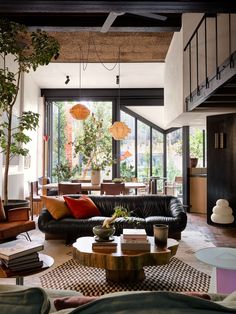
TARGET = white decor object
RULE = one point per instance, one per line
(222, 213)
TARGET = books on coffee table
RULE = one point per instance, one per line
(134, 234)
(104, 245)
(134, 244)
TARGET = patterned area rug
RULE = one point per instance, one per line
(175, 276)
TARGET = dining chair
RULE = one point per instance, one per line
(46, 180)
(34, 197)
(112, 188)
(69, 188)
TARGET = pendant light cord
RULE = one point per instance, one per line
(90, 43)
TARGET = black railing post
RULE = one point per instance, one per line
(190, 74)
(206, 71)
(217, 65)
(231, 61)
(198, 89)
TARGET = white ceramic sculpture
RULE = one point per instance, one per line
(222, 213)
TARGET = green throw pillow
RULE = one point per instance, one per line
(29, 301)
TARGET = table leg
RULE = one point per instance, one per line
(125, 275)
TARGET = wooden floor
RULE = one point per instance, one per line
(219, 236)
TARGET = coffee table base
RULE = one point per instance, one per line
(125, 275)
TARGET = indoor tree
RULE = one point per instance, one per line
(94, 145)
(28, 50)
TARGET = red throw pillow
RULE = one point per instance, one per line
(83, 207)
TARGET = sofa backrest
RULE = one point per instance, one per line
(139, 205)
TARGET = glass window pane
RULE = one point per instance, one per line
(196, 143)
(127, 149)
(174, 154)
(143, 151)
(67, 131)
(158, 157)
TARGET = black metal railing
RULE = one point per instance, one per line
(195, 90)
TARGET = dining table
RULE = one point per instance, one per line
(87, 186)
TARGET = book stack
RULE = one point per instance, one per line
(134, 240)
(110, 246)
(19, 256)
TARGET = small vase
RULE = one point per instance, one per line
(193, 162)
(96, 177)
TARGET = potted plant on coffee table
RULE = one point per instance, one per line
(26, 51)
(106, 230)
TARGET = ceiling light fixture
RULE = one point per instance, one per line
(80, 111)
(67, 79)
(119, 130)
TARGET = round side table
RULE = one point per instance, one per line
(223, 260)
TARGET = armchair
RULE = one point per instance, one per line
(14, 222)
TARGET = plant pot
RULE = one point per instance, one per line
(193, 162)
(15, 204)
(96, 177)
(103, 233)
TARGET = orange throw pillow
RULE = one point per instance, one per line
(83, 207)
(56, 206)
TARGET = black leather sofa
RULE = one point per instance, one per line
(146, 210)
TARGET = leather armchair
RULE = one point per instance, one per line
(17, 221)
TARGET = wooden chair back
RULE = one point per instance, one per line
(69, 188)
(112, 188)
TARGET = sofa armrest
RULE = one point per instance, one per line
(18, 214)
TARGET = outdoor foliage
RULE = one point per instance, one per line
(65, 172)
(94, 145)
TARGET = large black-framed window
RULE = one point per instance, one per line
(144, 149)
(149, 97)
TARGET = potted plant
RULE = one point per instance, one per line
(64, 171)
(29, 51)
(94, 146)
(196, 147)
(106, 230)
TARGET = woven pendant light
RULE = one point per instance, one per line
(79, 112)
(119, 130)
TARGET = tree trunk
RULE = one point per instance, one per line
(5, 194)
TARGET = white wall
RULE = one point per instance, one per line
(151, 113)
(31, 103)
(173, 81)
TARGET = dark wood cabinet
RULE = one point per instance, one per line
(221, 161)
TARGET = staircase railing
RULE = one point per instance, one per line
(197, 60)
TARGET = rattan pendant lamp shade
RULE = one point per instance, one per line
(119, 130)
(80, 111)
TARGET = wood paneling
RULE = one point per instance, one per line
(198, 197)
(221, 162)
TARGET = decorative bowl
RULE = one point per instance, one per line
(103, 233)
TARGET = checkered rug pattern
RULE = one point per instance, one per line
(175, 276)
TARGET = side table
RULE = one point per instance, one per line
(223, 260)
(48, 261)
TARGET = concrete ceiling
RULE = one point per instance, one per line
(95, 75)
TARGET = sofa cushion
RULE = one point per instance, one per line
(32, 300)
(56, 206)
(83, 207)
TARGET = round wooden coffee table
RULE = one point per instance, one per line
(122, 266)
